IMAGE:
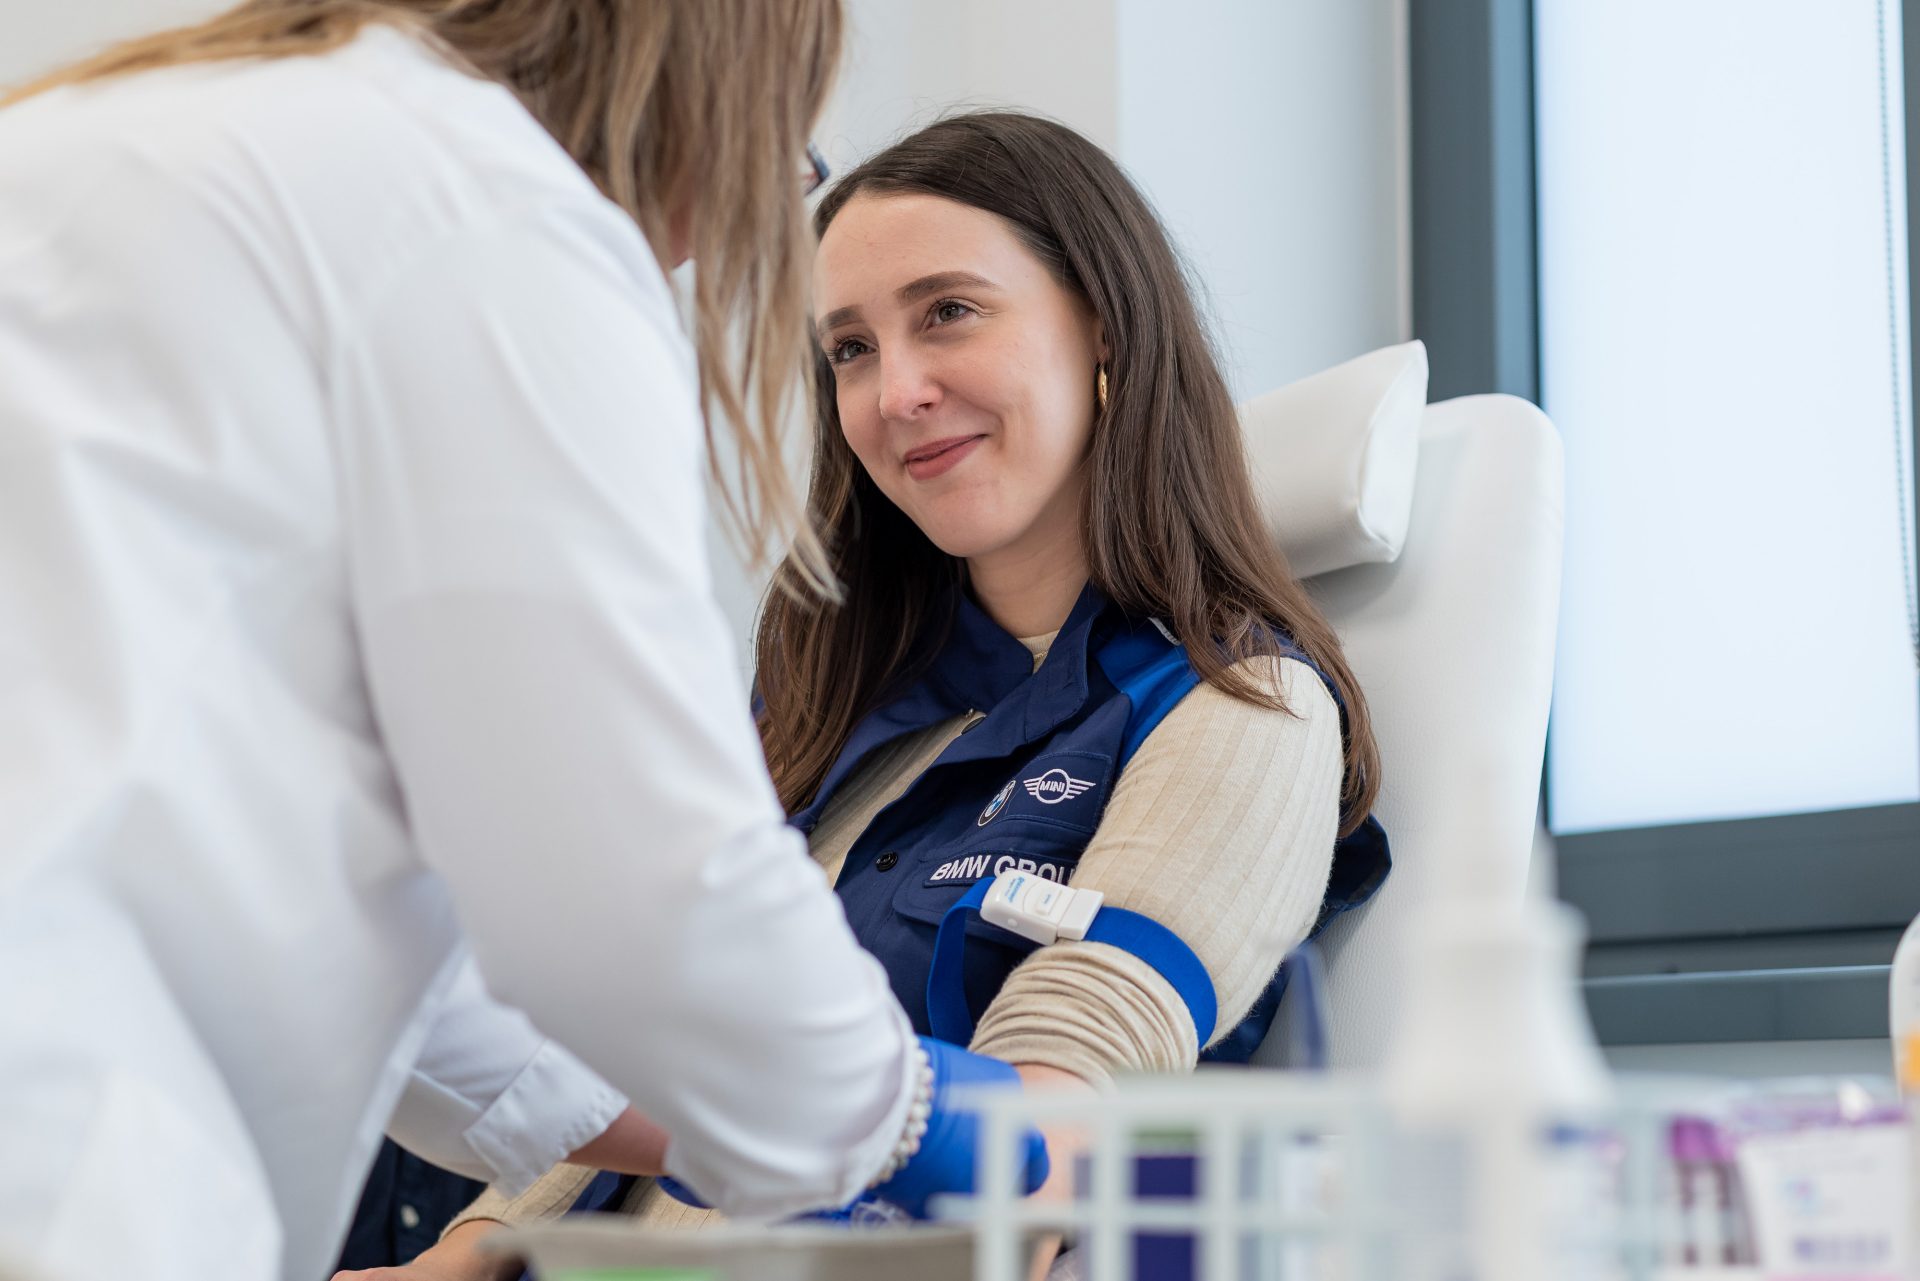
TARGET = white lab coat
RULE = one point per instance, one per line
(354, 612)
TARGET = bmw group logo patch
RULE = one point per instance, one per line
(994, 806)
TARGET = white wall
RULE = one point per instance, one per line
(910, 61)
(1272, 138)
(38, 35)
(1270, 134)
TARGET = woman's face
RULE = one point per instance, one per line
(963, 371)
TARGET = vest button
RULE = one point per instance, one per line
(886, 861)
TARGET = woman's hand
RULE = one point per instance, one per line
(455, 1258)
(1063, 1146)
(631, 1145)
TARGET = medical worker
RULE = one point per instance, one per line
(355, 627)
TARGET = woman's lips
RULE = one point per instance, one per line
(940, 457)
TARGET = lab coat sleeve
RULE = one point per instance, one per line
(491, 1098)
(523, 469)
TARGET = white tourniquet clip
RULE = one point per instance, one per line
(1038, 909)
(1044, 912)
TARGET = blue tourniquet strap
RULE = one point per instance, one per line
(1141, 936)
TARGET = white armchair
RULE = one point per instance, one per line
(1451, 638)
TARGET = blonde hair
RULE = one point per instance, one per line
(693, 107)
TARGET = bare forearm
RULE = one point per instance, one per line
(460, 1259)
(631, 1145)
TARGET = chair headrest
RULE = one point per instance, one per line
(1334, 455)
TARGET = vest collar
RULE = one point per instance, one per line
(982, 664)
(980, 667)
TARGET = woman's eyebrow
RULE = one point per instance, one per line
(938, 282)
(834, 319)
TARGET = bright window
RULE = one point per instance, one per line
(1723, 345)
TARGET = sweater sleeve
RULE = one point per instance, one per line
(551, 1195)
(1221, 828)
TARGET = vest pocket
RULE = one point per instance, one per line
(938, 879)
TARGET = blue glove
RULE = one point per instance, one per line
(948, 1152)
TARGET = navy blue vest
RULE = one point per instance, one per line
(1023, 788)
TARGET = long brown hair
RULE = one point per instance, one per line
(701, 105)
(1171, 526)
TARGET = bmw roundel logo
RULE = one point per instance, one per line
(994, 806)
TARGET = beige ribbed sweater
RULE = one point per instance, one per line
(1221, 827)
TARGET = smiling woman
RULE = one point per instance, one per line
(996, 282)
(1063, 646)
(966, 395)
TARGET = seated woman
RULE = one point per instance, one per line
(1064, 643)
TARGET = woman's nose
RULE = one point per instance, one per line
(907, 388)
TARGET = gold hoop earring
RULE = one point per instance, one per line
(1100, 386)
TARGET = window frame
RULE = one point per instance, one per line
(1700, 931)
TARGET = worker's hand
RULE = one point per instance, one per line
(949, 1151)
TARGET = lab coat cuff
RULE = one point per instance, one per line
(860, 1160)
(751, 1192)
(870, 1155)
(554, 1106)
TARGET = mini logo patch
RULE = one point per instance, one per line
(994, 806)
(1054, 786)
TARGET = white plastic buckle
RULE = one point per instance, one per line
(1035, 908)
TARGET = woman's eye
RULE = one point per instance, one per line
(948, 311)
(846, 350)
